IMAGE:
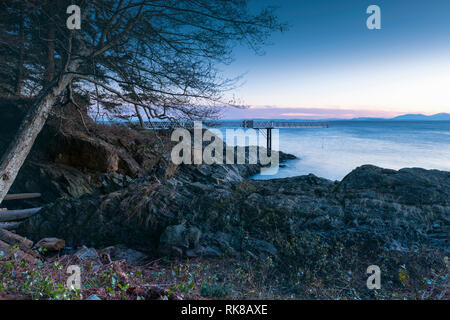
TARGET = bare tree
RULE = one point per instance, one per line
(155, 56)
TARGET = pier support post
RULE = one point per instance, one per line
(269, 141)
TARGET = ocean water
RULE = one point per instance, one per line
(334, 152)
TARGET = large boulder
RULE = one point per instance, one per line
(409, 205)
(410, 186)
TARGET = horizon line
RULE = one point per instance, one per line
(316, 113)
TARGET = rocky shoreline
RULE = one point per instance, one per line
(312, 233)
(201, 212)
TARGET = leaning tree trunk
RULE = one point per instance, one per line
(14, 157)
(141, 121)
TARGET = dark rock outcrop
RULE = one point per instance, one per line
(409, 186)
(195, 213)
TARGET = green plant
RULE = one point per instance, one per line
(214, 289)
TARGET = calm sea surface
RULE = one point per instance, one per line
(332, 153)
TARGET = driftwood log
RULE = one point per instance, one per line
(13, 215)
(9, 225)
(9, 251)
(12, 244)
(15, 240)
(21, 196)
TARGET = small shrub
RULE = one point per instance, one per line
(216, 290)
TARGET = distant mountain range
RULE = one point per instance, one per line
(405, 117)
(409, 117)
(438, 116)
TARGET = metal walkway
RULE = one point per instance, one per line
(267, 125)
(254, 124)
(277, 124)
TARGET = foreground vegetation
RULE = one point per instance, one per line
(333, 275)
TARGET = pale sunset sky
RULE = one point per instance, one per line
(330, 65)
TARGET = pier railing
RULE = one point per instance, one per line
(254, 124)
(267, 125)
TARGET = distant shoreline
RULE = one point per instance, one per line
(281, 114)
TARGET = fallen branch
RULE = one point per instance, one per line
(12, 215)
(10, 252)
(15, 239)
(20, 196)
(9, 225)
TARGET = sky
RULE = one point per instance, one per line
(330, 65)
